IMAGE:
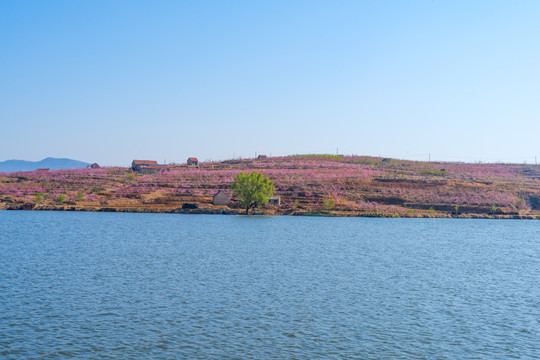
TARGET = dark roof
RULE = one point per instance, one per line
(193, 159)
(144, 162)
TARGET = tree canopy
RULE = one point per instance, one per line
(252, 189)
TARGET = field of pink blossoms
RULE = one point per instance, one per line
(307, 184)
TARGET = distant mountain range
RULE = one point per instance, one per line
(48, 163)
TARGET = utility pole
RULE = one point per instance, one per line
(429, 157)
(337, 151)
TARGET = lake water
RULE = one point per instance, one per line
(164, 286)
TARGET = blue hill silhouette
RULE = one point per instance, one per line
(48, 163)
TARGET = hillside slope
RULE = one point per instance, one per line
(308, 184)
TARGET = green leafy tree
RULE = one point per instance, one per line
(252, 189)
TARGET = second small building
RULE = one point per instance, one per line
(221, 198)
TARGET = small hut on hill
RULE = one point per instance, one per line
(221, 198)
(139, 165)
(193, 161)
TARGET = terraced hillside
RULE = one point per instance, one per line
(307, 184)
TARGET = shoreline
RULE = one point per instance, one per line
(214, 211)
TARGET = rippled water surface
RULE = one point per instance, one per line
(109, 285)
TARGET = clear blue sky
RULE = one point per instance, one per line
(110, 81)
